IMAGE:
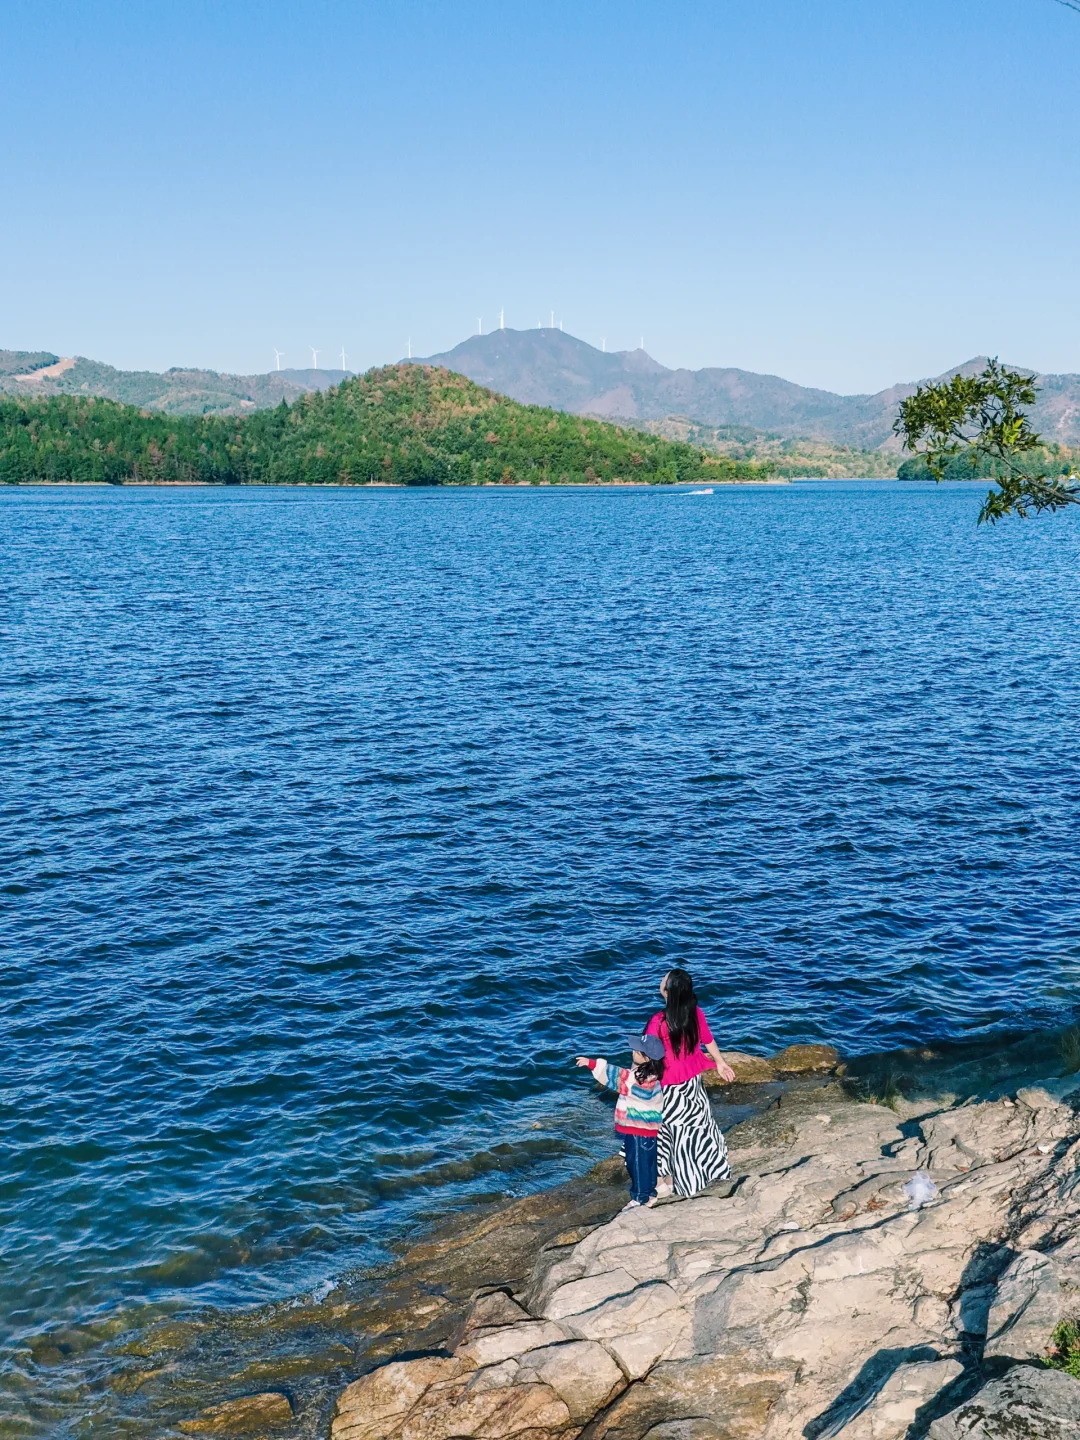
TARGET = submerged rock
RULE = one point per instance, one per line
(249, 1415)
(420, 1302)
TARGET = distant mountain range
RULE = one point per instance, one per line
(548, 367)
(174, 392)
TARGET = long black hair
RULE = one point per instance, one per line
(649, 1070)
(680, 1012)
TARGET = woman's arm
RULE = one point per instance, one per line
(725, 1071)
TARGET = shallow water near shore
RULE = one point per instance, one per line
(334, 824)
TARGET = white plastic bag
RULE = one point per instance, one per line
(920, 1190)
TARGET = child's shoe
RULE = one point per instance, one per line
(632, 1205)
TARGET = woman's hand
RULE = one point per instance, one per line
(582, 1060)
(723, 1069)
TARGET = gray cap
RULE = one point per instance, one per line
(650, 1045)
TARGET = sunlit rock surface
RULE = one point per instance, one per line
(803, 1299)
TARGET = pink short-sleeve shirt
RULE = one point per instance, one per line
(678, 1068)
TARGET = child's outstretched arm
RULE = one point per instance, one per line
(604, 1073)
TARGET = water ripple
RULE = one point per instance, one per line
(334, 823)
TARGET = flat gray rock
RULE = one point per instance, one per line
(1026, 1308)
(1025, 1404)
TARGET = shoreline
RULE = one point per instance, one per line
(679, 487)
(180, 1366)
(811, 1295)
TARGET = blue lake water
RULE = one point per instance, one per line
(334, 823)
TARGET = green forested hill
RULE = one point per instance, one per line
(404, 424)
(792, 458)
(69, 439)
(178, 391)
(1044, 459)
(21, 362)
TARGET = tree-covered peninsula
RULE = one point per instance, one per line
(403, 425)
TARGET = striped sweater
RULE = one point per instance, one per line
(639, 1108)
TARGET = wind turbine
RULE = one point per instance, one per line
(502, 313)
(480, 326)
(344, 357)
(314, 357)
(603, 346)
(278, 354)
(410, 347)
(553, 319)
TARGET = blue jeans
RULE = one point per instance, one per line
(639, 1152)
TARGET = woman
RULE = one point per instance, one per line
(691, 1152)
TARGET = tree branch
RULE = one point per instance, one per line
(971, 417)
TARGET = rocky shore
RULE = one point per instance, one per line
(805, 1298)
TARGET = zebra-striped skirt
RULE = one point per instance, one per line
(691, 1147)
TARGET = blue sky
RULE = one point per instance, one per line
(844, 192)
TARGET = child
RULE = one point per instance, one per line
(638, 1111)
